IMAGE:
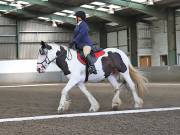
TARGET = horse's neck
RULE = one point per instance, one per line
(67, 60)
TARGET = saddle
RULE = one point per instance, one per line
(95, 53)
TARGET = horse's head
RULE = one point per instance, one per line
(45, 57)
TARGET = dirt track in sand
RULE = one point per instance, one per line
(43, 100)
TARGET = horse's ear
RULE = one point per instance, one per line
(43, 44)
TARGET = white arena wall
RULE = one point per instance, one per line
(23, 66)
(24, 72)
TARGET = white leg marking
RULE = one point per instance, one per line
(138, 101)
(116, 101)
(94, 104)
(64, 103)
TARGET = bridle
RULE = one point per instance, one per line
(46, 60)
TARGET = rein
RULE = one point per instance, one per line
(69, 54)
(46, 60)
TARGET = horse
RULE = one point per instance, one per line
(110, 63)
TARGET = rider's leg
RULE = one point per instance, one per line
(86, 51)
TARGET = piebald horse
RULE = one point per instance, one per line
(108, 65)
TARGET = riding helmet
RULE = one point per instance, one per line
(81, 14)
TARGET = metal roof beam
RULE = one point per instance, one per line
(147, 9)
(103, 15)
(43, 3)
(62, 18)
(32, 14)
(58, 17)
(6, 7)
(70, 21)
(91, 12)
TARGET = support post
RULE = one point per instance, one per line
(103, 38)
(17, 39)
(133, 44)
(171, 34)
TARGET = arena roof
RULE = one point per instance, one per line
(120, 12)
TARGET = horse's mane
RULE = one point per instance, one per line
(58, 46)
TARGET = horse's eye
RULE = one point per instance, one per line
(41, 51)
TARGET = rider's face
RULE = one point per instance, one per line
(78, 19)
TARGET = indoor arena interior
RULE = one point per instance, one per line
(89, 67)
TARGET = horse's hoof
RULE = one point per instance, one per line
(67, 105)
(115, 107)
(116, 104)
(94, 108)
(60, 110)
(139, 104)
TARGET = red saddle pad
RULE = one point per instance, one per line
(96, 54)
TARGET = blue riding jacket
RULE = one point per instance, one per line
(81, 37)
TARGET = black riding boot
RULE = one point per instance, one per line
(91, 68)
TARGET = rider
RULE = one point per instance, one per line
(82, 41)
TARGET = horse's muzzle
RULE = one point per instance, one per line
(40, 69)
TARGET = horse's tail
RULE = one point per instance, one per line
(138, 79)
